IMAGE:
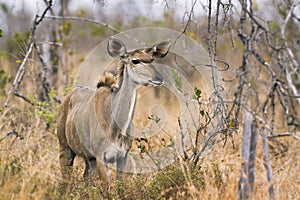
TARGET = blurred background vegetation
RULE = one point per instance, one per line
(29, 150)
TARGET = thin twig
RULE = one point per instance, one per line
(11, 132)
(286, 134)
(185, 156)
(19, 76)
(84, 20)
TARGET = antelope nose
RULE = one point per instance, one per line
(159, 78)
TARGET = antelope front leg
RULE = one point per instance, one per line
(120, 172)
(104, 174)
(90, 168)
(121, 163)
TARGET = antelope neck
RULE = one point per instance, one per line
(123, 103)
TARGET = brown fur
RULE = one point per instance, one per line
(69, 138)
(107, 80)
(89, 125)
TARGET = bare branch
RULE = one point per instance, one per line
(287, 19)
(286, 134)
(84, 20)
(11, 132)
(190, 17)
(94, 22)
(267, 162)
(19, 76)
(21, 71)
(185, 156)
(37, 22)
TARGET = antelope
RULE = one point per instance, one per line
(96, 124)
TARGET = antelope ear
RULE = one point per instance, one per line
(159, 50)
(116, 48)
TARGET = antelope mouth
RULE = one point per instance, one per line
(155, 83)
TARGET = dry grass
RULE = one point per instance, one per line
(29, 169)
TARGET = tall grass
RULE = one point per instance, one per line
(29, 170)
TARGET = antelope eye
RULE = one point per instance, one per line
(135, 61)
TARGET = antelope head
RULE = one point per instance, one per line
(137, 64)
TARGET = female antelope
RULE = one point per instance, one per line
(96, 124)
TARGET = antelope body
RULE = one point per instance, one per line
(96, 124)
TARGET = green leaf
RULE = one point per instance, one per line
(4, 7)
(177, 79)
(172, 143)
(143, 149)
(66, 28)
(197, 92)
(97, 30)
(202, 112)
(281, 10)
(21, 37)
(274, 26)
